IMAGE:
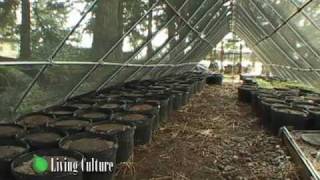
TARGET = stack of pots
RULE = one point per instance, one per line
(102, 126)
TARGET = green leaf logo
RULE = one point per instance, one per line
(39, 164)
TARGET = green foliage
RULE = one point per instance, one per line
(8, 28)
(270, 84)
(49, 26)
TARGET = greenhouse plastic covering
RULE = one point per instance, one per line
(284, 34)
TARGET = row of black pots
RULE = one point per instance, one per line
(294, 108)
(124, 116)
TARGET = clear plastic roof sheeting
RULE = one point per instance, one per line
(57, 49)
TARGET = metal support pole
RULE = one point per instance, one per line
(240, 59)
(222, 57)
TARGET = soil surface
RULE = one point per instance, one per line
(71, 124)
(93, 115)
(108, 128)
(213, 137)
(10, 131)
(141, 107)
(35, 121)
(9, 152)
(91, 145)
(134, 117)
(43, 137)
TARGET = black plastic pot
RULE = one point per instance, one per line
(192, 85)
(256, 97)
(164, 105)
(248, 80)
(186, 94)
(34, 120)
(143, 124)
(290, 117)
(146, 108)
(187, 90)
(93, 146)
(255, 102)
(71, 125)
(8, 131)
(179, 98)
(43, 138)
(61, 111)
(94, 114)
(123, 131)
(286, 92)
(291, 99)
(215, 79)
(313, 98)
(266, 110)
(303, 102)
(16, 148)
(314, 119)
(245, 93)
(24, 160)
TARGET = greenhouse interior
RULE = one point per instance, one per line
(159, 89)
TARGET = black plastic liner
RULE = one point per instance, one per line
(5, 171)
(50, 175)
(125, 136)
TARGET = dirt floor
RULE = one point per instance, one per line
(214, 137)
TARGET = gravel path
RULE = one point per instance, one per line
(214, 137)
